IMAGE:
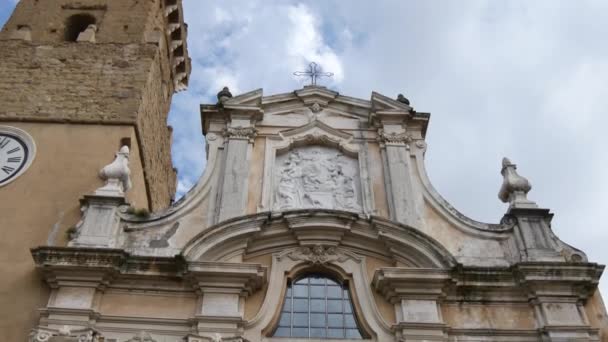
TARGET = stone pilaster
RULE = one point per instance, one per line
(416, 294)
(77, 278)
(238, 147)
(222, 289)
(404, 201)
(237, 117)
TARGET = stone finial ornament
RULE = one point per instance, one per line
(514, 187)
(403, 99)
(117, 175)
(224, 95)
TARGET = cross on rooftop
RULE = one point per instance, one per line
(313, 73)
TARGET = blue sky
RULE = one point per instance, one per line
(523, 79)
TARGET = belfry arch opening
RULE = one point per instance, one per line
(77, 23)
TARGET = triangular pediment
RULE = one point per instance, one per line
(317, 132)
(247, 100)
(316, 94)
(381, 103)
(316, 127)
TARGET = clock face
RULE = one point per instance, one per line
(14, 155)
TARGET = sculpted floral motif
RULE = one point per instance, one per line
(40, 336)
(317, 177)
(45, 334)
(318, 255)
(241, 133)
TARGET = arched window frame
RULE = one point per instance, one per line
(322, 283)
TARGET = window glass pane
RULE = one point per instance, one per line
(299, 332)
(300, 291)
(317, 320)
(300, 305)
(317, 305)
(302, 280)
(287, 304)
(282, 332)
(285, 320)
(317, 332)
(300, 319)
(335, 333)
(349, 321)
(335, 320)
(347, 307)
(353, 333)
(334, 305)
(317, 291)
(334, 292)
(317, 280)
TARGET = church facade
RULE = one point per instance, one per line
(314, 219)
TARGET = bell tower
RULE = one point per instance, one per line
(78, 81)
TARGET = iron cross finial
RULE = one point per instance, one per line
(313, 73)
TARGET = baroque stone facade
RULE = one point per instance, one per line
(310, 199)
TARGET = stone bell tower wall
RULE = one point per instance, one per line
(124, 75)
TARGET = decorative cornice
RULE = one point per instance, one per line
(176, 33)
(79, 257)
(240, 278)
(559, 279)
(396, 283)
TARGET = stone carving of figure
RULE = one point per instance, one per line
(289, 189)
(316, 177)
(344, 190)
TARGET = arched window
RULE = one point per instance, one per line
(316, 306)
(76, 24)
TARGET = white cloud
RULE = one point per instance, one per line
(305, 43)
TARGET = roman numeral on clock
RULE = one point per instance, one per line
(8, 169)
(14, 150)
(14, 159)
(4, 142)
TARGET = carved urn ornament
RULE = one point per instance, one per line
(224, 95)
(403, 99)
(117, 175)
(514, 187)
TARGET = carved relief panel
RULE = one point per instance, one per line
(316, 177)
